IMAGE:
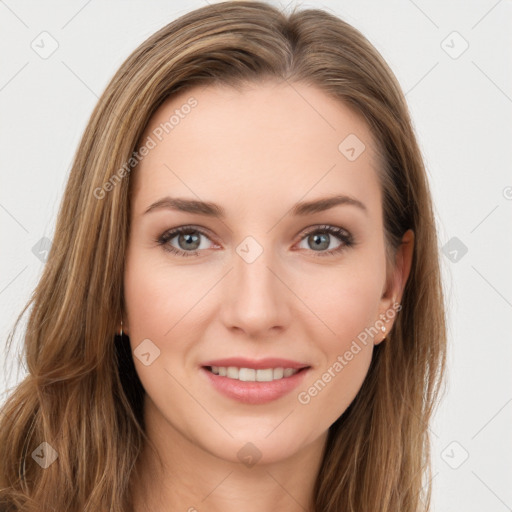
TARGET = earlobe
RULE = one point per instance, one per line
(122, 329)
(383, 329)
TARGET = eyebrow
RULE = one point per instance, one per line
(213, 210)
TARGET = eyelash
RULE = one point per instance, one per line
(342, 235)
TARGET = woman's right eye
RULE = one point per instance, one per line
(187, 237)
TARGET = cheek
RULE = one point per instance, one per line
(345, 299)
(348, 307)
(156, 296)
(331, 391)
(164, 306)
(156, 308)
(348, 303)
(353, 309)
(145, 301)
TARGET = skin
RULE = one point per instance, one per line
(255, 152)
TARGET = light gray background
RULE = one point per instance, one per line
(461, 111)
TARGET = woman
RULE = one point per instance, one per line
(242, 307)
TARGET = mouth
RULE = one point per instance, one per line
(254, 382)
(254, 375)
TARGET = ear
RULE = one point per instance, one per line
(396, 281)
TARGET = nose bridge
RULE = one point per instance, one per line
(253, 279)
(257, 298)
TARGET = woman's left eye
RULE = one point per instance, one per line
(189, 240)
(322, 241)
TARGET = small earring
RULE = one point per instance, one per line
(120, 332)
(383, 329)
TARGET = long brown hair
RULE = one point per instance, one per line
(82, 395)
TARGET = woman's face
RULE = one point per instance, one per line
(256, 276)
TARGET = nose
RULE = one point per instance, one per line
(256, 299)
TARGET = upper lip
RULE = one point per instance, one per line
(257, 364)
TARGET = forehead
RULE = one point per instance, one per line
(272, 142)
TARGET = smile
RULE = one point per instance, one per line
(251, 374)
(253, 386)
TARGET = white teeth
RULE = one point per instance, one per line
(278, 373)
(232, 372)
(252, 375)
(247, 374)
(265, 375)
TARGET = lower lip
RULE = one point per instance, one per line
(255, 392)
